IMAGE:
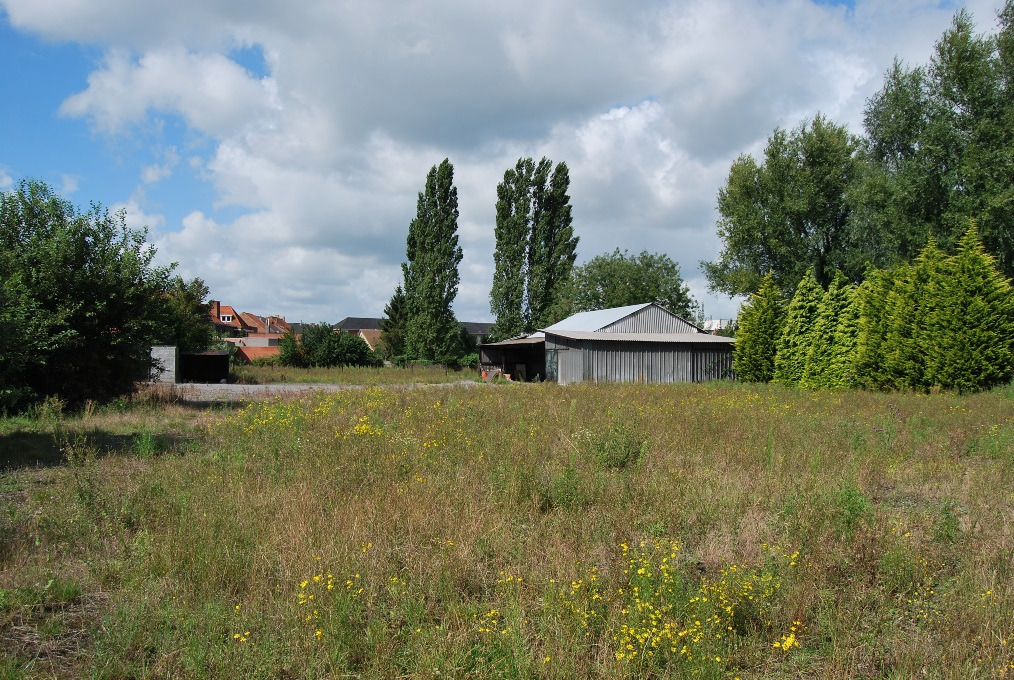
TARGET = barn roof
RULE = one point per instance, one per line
(695, 338)
(595, 319)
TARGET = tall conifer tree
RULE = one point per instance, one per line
(841, 372)
(975, 345)
(826, 330)
(760, 327)
(431, 273)
(836, 301)
(914, 323)
(872, 324)
(794, 344)
(392, 326)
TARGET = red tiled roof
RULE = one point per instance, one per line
(371, 337)
(251, 322)
(248, 354)
(225, 310)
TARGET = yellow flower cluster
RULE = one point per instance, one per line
(365, 428)
(669, 620)
(790, 640)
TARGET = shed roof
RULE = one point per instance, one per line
(595, 319)
(535, 339)
(690, 338)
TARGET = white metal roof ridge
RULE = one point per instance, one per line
(705, 338)
(595, 319)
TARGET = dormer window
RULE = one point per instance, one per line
(226, 318)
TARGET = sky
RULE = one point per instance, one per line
(276, 150)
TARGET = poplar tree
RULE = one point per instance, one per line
(431, 272)
(760, 327)
(794, 343)
(535, 246)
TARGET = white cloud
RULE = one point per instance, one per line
(136, 217)
(160, 171)
(5, 179)
(212, 93)
(69, 184)
(326, 149)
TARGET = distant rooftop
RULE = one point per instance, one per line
(358, 323)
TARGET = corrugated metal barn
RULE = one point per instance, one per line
(638, 343)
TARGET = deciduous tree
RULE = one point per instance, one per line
(617, 279)
(431, 272)
(186, 322)
(789, 213)
(91, 282)
(535, 246)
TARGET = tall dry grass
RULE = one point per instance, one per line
(527, 531)
(351, 375)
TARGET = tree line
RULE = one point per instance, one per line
(535, 280)
(943, 321)
(936, 151)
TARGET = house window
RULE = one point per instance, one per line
(226, 318)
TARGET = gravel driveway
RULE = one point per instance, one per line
(200, 392)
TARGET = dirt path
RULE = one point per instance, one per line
(209, 393)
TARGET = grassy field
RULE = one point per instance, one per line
(520, 531)
(351, 375)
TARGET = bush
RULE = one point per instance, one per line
(87, 282)
(320, 346)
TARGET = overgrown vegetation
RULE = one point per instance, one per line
(610, 531)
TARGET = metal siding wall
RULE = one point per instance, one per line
(650, 320)
(645, 362)
(712, 363)
(569, 365)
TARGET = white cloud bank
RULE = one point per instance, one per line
(325, 147)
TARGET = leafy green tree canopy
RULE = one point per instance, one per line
(789, 213)
(617, 279)
(320, 346)
(88, 282)
(187, 323)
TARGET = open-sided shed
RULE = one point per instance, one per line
(637, 343)
(520, 358)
